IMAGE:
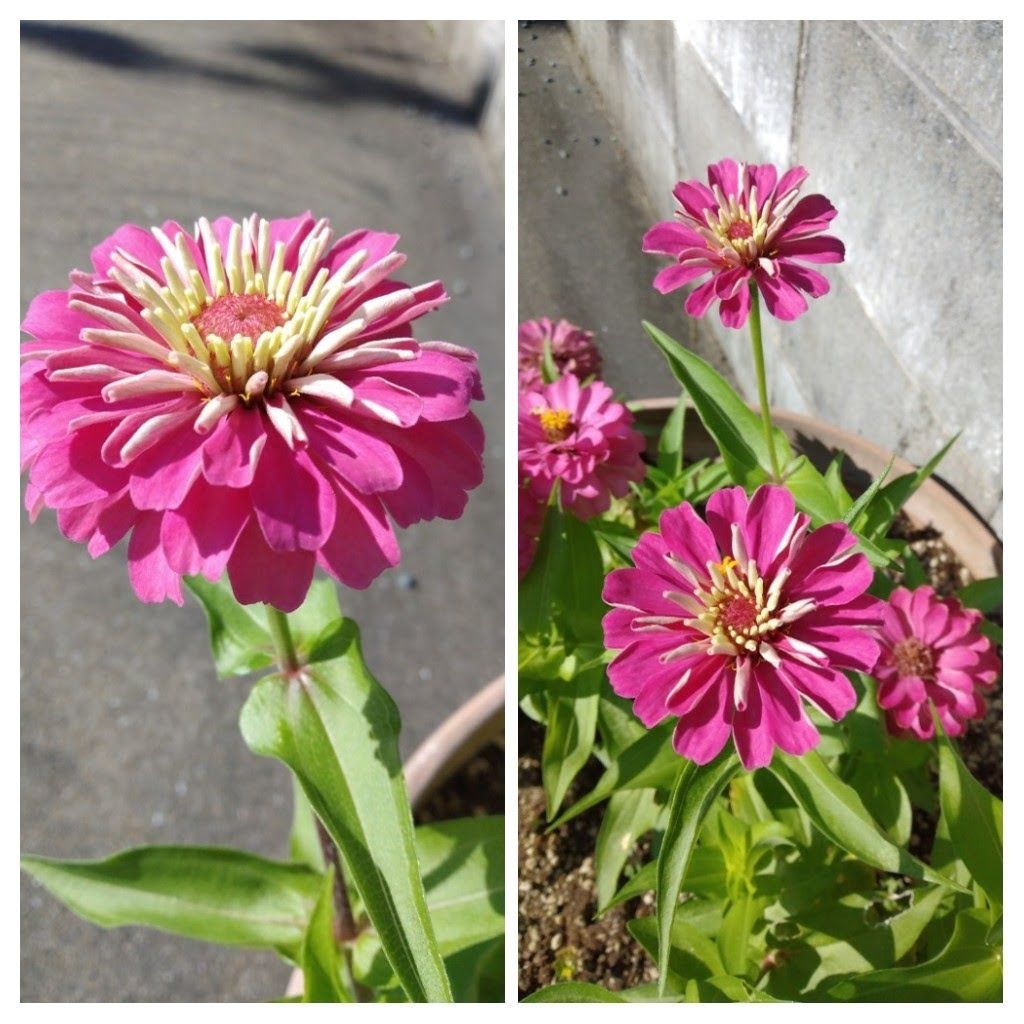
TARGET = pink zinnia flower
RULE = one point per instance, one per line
(580, 437)
(730, 624)
(572, 349)
(933, 654)
(248, 398)
(531, 523)
(747, 226)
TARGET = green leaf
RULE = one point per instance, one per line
(695, 790)
(914, 573)
(705, 876)
(337, 729)
(812, 493)
(968, 970)
(583, 582)
(574, 992)
(840, 939)
(478, 973)
(548, 367)
(974, 818)
(649, 762)
(879, 514)
(629, 816)
(224, 896)
(238, 636)
(854, 511)
(317, 625)
(734, 938)
(736, 429)
(618, 726)
(985, 595)
(725, 989)
(462, 862)
(539, 588)
(562, 590)
(320, 957)
(568, 742)
(691, 954)
(617, 537)
(834, 479)
(670, 443)
(303, 841)
(840, 815)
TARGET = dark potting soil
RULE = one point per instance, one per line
(559, 940)
(476, 789)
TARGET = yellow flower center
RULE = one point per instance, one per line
(556, 423)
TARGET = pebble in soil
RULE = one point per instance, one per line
(559, 940)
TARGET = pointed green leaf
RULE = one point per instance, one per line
(736, 429)
(238, 636)
(695, 791)
(974, 819)
(224, 896)
(629, 816)
(840, 940)
(320, 957)
(670, 441)
(574, 992)
(337, 729)
(878, 516)
(968, 970)
(854, 511)
(985, 595)
(705, 876)
(568, 742)
(734, 938)
(649, 762)
(239, 639)
(840, 815)
(583, 582)
(812, 493)
(462, 861)
(303, 841)
(834, 479)
(692, 955)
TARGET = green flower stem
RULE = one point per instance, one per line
(284, 645)
(762, 383)
(344, 925)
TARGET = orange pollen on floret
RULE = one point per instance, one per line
(248, 315)
(556, 423)
(913, 658)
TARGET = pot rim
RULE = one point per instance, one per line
(935, 503)
(466, 731)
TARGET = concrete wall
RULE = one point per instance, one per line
(900, 125)
(476, 50)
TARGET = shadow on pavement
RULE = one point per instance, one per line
(315, 79)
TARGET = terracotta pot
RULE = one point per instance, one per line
(459, 738)
(934, 504)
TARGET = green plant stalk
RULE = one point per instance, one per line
(344, 925)
(762, 382)
(284, 645)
